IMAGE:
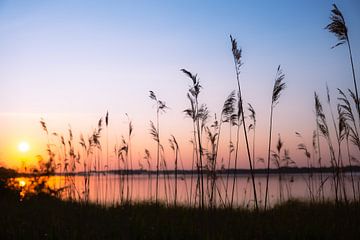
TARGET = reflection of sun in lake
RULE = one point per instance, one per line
(22, 183)
(23, 147)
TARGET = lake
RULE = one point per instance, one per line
(110, 189)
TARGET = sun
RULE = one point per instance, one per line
(23, 147)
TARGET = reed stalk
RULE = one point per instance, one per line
(238, 63)
(155, 133)
(197, 113)
(279, 86)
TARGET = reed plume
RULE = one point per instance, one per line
(338, 27)
(279, 86)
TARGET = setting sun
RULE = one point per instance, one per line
(23, 147)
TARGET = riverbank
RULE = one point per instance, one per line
(46, 217)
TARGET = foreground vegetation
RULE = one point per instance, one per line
(46, 217)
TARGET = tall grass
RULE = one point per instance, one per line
(107, 151)
(252, 127)
(237, 56)
(279, 86)
(147, 157)
(175, 147)
(350, 128)
(129, 135)
(325, 132)
(228, 115)
(302, 147)
(199, 114)
(338, 27)
(155, 133)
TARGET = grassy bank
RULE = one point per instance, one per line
(44, 217)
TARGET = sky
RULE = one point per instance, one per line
(69, 62)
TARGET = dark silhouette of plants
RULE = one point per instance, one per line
(279, 86)
(107, 151)
(252, 126)
(199, 114)
(350, 130)
(309, 182)
(338, 27)
(155, 133)
(147, 157)
(130, 130)
(212, 137)
(324, 131)
(238, 63)
(175, 147)
(228, 115)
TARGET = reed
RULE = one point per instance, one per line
(325, 132)
(232, 122)
(279, 86)
(85, 169)
(210, 153)
(302, 147)
(338, 27)
(276, 159)
(227, 111)
(237, 56)
(147, 157)
(107, 152)
(252, 126)
(339, 133)
(351, 133)
(129, 136)
(194, 152)
(49, 165)
(199, 114)
(155, 133)
(175, 147)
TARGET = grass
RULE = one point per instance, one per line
(237, 55)
(279, 86)
(45, 217)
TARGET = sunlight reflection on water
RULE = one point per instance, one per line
(115, 189)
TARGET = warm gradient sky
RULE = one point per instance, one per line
(70, 61)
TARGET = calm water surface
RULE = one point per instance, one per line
(114, 189)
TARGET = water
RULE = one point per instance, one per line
(116, 189)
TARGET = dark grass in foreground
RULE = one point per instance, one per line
(44, 217)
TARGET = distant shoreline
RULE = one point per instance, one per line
(288, 170)
(285, 170)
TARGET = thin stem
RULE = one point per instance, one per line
(268, 159)
(200, 155)
(354, 78)
(157, 155)
(245, 134)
